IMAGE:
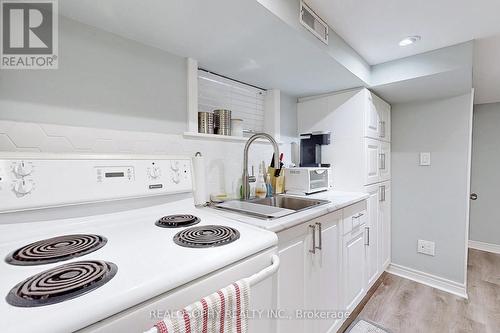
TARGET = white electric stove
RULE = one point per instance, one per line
(109, 243)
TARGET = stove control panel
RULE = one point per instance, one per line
(40, 180)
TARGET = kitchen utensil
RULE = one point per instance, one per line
(222, 122)
(206, 122)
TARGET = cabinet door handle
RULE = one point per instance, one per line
(382, 193)
(367, 236)
(382, 129)
(319, 247)
(382, 161)
(313, 249)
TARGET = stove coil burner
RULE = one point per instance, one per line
(56, 249)
(61, 283)
(177, 221)
(206, 236)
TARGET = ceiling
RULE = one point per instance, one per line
(243, 40)
(374, 28)
(239, 39)
(442, 85)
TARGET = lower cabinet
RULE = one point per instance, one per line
(385, 225)
(326, 273)
(372, 234)
(354, 269)
(354, 255)
(328, 264)
(291, 281)
(309, 274)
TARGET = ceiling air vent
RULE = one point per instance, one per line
(313, 23)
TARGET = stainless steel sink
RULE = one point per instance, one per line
(289, 202)
(271, 208)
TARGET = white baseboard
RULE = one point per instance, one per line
(488, 247)
(429, 280)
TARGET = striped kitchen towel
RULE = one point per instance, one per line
(225, 311)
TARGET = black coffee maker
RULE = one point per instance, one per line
(310, 148)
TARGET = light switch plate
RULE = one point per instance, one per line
(425, 159)
(426, 247)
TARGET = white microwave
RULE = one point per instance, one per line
(307, 180)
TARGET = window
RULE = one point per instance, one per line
(245, 101)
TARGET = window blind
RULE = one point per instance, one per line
(245, 102)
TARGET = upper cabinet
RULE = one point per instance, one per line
(377, 118)
(373, 124)
(378, 122)
(360, 126)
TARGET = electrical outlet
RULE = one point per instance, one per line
(426, 247)
(425, 159)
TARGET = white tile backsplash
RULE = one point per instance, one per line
(224, 160)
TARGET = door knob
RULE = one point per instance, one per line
(473, 196)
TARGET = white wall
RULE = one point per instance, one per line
(113, 95)
(103, 81)
(288, 118)
(429, 202)
(484, 226)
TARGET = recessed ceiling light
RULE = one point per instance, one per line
(409, 40)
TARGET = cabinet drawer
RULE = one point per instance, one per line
(354, 217)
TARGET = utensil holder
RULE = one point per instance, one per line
(278, 183)
(222, 122)
(206, 122)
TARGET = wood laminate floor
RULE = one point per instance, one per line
(404, 306)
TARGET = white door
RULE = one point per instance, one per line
(372, 239)
(291, 284)
(485, 180)
(385, 161)
(385, 225)
(372, 161)
(372, 118)
(328, 261)
(354, 268)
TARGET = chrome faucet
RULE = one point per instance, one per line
(245, 179)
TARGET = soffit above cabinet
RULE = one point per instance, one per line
(239, 39)
(261, 42)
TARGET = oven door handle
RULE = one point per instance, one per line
(266, 272)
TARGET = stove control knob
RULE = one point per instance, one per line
(23, 168)
(176, 178)
(23, 187)
(154, 172)
(174, 165)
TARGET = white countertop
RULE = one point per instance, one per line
(338, 200)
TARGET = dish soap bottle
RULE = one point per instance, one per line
(260, 186)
